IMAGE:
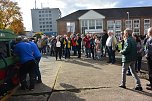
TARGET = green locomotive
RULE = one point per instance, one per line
(7, 62)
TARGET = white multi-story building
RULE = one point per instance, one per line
(44, 20)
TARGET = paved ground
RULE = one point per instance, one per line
(82, 80)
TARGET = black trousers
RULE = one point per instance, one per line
(150, 69)
(79, 52)
(28, 68)
(58, 51)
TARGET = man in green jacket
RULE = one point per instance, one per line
(129, 56)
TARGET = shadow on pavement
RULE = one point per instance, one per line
(70, 88)
(140, 92)
(40, 89)
(69, 94)
(80, 62)
(40, 93)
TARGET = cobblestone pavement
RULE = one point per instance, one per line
(82, 80)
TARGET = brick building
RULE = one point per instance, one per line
(139, 19)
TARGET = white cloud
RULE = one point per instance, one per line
(66, 7)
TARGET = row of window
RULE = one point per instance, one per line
(45, 23)
(45, 15)
(45, 26)
(43, 30)
(116, 25)
(43, 19)
(92, 24)
(46, 11)
(132, 24)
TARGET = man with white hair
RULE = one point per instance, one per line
(111, 47)
(149, 57)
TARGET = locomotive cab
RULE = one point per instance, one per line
(7, 63)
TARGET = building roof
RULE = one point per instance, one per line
(113, 13)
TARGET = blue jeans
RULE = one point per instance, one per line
(111, 54)
(131, 66)
(88, 52)
(67, 53)
(138, 63)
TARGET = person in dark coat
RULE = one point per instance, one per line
(129, 56)
(149, 57)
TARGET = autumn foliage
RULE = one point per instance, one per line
(10, 16)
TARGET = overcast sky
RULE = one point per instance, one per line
(69, 6)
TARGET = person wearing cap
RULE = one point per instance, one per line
(25, 53)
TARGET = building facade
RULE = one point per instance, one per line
(139, 19)
(44, 20)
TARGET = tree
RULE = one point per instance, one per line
(10, 16)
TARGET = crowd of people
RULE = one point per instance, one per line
(92, 45)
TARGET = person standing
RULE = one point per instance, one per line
(25, 53)
(149, 57)
(79, 41)
(111, 47)
(103, 43)
(129, 56)
(37, 55)
(140, 49)
(58, 49)
(92, 45)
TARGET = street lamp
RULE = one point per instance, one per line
(128, 18)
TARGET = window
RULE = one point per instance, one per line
(117, 27)
(136, 26)
(110, 25)
(84, 25)
(43, 22)
(43, 29)
(91, 24)
(46, 15)
(50, 22)
(136, 31)
(50, 18)
(46, 11)
(146, 25)
(136, 23)
(70, 27)
(50, 29)
(40, 19)
(50, 15)
(128, 24)
(49, 11)
(47, 29)
(50, 25)
(43, 26)
(47, 26)
(39, 11)
(40, 26)
(39, 15)
(46, 18)
(42, 11)
(99, 24)
(118, 24)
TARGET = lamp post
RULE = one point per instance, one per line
(128, 19)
